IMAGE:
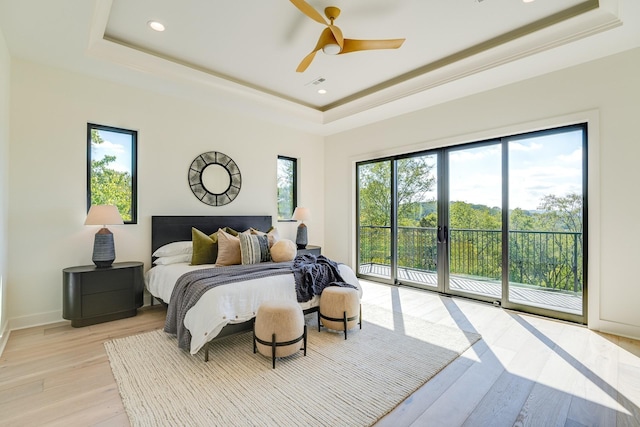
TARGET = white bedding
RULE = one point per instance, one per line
(232, 303)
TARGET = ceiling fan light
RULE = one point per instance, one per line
(331, 49)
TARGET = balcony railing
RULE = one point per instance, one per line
(545, 259)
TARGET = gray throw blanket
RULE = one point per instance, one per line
(312, 274)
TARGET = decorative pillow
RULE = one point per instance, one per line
(272, 234)
(231, 231)
(283, 250)
(205, 248)
(228, 249)
(254, 249)
(174, 248)
(173, 259)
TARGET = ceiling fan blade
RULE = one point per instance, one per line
(352, 45)
(337, 34)
(325, 37)
(306, 62)
(308, 10)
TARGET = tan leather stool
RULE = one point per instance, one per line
(340, 309)
(278, 329)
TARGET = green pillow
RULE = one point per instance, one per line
(231, 231)
(205, 248)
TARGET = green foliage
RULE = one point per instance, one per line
(562, 213)
(285, 179)
(415, 179)
(479, 217)
(108, 186)
(545, 246)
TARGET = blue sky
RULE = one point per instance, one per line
(116, 144)
(538, 166)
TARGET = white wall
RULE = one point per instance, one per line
(605, 92)
(50, 109)
(5, 73)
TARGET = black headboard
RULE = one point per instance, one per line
(167, 229)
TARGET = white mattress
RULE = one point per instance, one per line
(233, 303)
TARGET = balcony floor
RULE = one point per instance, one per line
(566, 302)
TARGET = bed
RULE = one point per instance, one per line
(228, 309)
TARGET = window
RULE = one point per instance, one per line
(287, 187)
(111, 169)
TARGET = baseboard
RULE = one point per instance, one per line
(615, 328)
(35, 320)
(4, 337)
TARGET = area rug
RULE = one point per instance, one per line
(352, 382)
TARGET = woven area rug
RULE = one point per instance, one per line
(339, 383)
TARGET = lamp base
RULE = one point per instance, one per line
(301, 236)
(104, 252)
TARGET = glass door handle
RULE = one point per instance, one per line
(443, 234)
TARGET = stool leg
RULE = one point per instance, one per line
(273, 350)
(360, 317)
(344, 319)
(305, 340)
(255, 346)
(318, 319)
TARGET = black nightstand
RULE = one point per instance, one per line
(310, 249)
(94, 295)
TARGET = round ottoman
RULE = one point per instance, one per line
(278, 329)
(339, 309)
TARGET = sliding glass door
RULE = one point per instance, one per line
(499, 221)
(546, 220)
(475, 220)
(374, 232)
(417, 226)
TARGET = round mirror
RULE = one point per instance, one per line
(214, 178)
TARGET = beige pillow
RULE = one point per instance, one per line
(228, 249)
(205, 248)
(283, 250)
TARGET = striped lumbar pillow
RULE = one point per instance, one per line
(254, 248)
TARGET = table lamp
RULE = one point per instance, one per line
(302, 215)
(104, 252)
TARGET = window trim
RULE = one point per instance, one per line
(134, 166)
(294, 185)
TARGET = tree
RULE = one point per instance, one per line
(415, 180)
(285, 179)
(562, 213)
(109, 186)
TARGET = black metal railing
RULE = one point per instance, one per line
(547, 259)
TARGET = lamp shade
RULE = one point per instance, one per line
(103, 215)
(301, 214)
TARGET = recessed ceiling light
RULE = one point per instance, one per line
(528, 1)
(322, 91)
(155, 25)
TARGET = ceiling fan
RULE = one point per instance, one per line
(331, 40)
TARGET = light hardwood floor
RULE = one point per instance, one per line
(526, 370)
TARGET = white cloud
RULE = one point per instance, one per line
(111, 147)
